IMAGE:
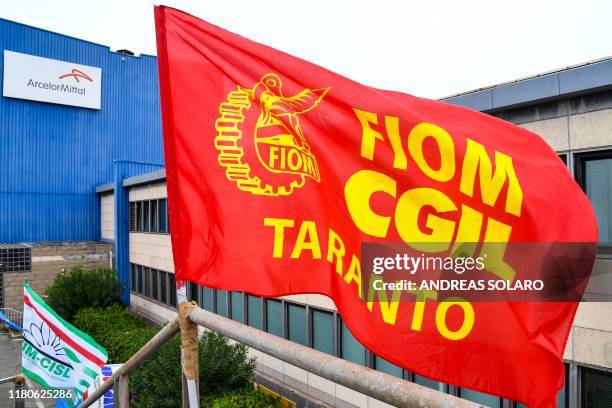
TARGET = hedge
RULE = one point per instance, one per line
(226, 372)
(78, 288)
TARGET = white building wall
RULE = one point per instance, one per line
(554, 131)
(152, 250)
(107, 216)
(575, 132)
(148, 192)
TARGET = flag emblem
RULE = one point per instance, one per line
(55, 354)
(279, 158)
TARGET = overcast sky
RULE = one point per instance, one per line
(426, 48)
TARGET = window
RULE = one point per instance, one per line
(163, 287)
(274, 317)
(434, 385)
(323, 331)
(297, 324)
(154, 284)
(221, 302)
(138, 215)
(351, 349)
(384, 366)
(209, 299)
(149, 216)
(481, 398)
(237, 301)
(132, 216)
(147, 282)
(594, 174)
(16, 258)
(140, 279)
(194, 292)
(153, 206)
(133, 271)
(145, 217)
(163, 216)
(596, 388)
(254, 312)
(172, 290)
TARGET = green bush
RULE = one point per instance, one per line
(157, 383)
(78, 288)
(102, 322)
(223, 367)
(245, 397)
(226, 372)
(116, 329)
(121, 347)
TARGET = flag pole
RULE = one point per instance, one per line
(189, 349)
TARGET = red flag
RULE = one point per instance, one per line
(279, 169)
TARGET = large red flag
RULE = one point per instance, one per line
(278, 170)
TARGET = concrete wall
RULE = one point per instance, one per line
(148, 192)
(152, 250)
(590, 341)
(580, 131)
(48, 260)
(107, 216)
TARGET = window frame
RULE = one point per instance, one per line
(288, 307)
(155, 284)
(580, 159)
(584, 371)
(341, 348)
(313, 311)
(163, 289)
(259, 312)
(151, 220)
(139, 217)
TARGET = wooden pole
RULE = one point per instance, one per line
(19, 383)
(122, 394)
(190, 359)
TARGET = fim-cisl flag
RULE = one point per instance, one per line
(56, 354)
(278, 170)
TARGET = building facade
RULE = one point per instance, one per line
(53, 155)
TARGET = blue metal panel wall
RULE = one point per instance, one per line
(52, 157)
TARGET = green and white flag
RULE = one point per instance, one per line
(56, 354)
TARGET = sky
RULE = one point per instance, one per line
(428, 48)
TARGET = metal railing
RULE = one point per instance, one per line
(375, 384)
(13, 315)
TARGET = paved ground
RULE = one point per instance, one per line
(10, 364)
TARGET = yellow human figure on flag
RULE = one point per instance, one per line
(281, 111)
